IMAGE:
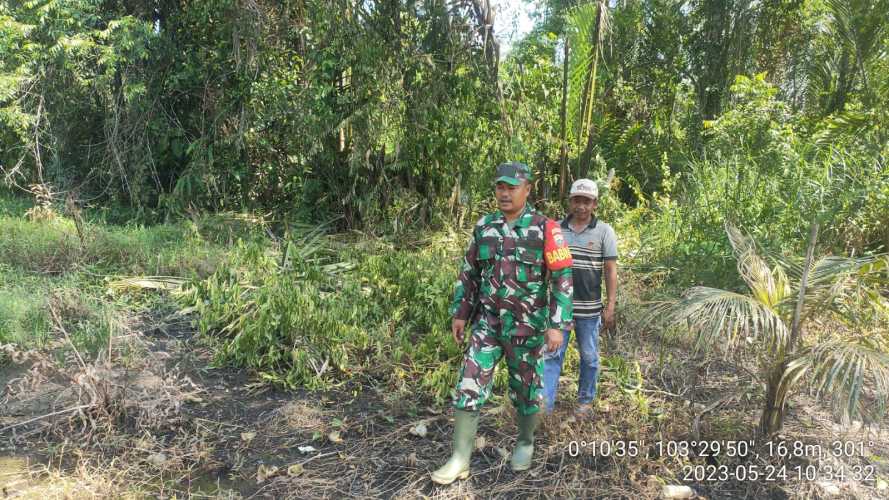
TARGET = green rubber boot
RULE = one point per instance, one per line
(457, 467)
(524, 446)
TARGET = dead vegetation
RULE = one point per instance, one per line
(146, 417)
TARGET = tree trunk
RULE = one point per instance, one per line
(484, 15)
(844, 83)
(590, 95)
(772, 418)
(563, 133)
(795, 335)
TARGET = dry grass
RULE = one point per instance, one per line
(148, 418)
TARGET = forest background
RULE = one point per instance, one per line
(297, 172)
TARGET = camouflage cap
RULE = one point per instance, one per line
(513, 173)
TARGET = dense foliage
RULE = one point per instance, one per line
(371, 111)
(353, 108)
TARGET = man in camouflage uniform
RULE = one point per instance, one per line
(502, 290)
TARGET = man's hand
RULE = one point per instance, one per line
(458, 326)
(611, 288)
(553, 339)
(608, 318)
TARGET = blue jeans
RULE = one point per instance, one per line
(587, 330)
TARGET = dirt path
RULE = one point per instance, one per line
(161, 423)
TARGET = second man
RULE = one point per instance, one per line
(593, 247)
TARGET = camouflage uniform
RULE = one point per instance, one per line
(502, 291)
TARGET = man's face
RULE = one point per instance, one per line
(583, 207)
(511, 198)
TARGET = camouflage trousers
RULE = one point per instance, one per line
(523, 359)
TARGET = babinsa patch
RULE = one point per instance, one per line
(556, 251)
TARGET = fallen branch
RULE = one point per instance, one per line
(35, 419)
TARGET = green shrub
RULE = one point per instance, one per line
(313, 316)
(49, 247)
(763, 172)
(12, 205)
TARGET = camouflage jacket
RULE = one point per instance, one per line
(504, 274)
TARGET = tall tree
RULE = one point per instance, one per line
(718, 48)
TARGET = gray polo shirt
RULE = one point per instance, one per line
(590, 248)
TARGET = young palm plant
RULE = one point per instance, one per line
(846, 360)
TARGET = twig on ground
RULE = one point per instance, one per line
(320, 455)
(41, 417)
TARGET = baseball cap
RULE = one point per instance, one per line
(585, 187)
(513, 173)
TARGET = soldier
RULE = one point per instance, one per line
(502, 291)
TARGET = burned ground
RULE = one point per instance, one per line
(155, 418)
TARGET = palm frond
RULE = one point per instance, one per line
(828, 269)
(724, 317)
(581, 24)
(767, 286)
(837, 283)
(844, 124)
(852, 374)
(859, 24)
(134, 283)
